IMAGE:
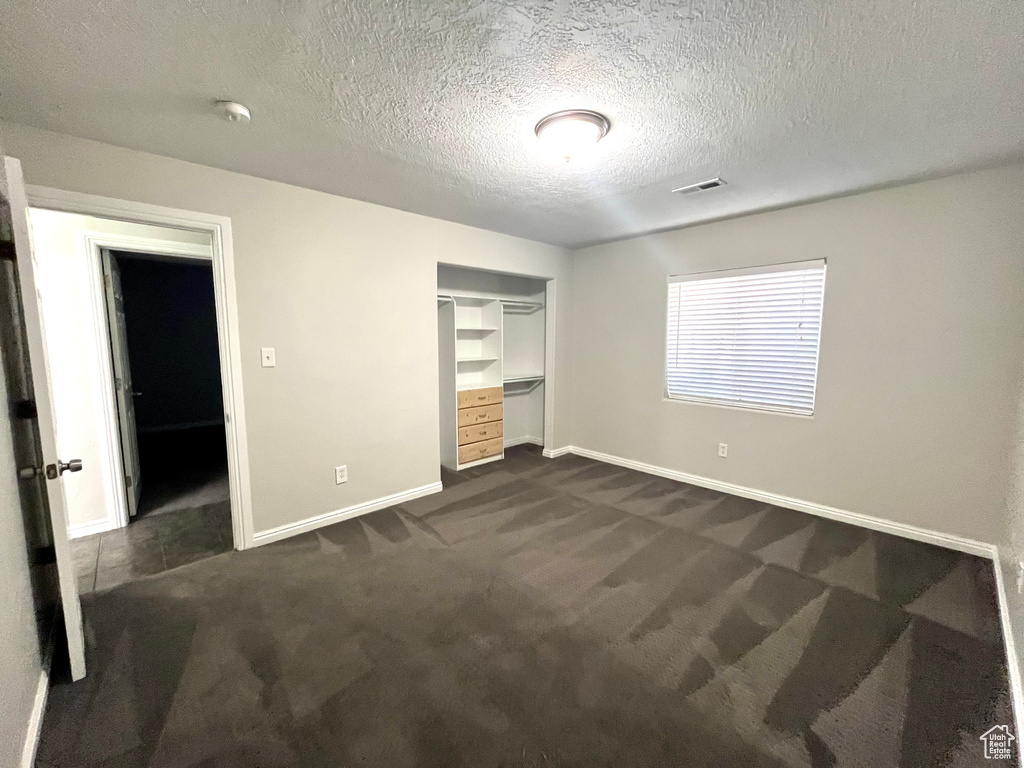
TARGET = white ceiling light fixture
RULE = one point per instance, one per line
(572, 131)
(233, 112)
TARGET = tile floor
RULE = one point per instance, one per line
(152, 545)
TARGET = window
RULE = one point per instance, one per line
(746, 337)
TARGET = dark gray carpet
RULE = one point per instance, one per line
(546, 613)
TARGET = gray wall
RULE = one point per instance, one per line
(345, 292)
(920, 353)
(1011, 554)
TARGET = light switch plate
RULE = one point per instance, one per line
(267, 357)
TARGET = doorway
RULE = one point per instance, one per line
(161, 321)
(42, 468)
(136, 353)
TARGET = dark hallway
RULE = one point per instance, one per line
(183, 504)
(182, 468)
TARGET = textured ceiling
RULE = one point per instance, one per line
(430, 106)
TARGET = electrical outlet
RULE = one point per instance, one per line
(341, 474)
(267, 357)
(1020, 577)
(723, 450)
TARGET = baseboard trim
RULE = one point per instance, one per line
(88, 529)
(312, 523)
(554, 453)
(949, 541)
(1010, 647)
(35, 720)
(523, 441)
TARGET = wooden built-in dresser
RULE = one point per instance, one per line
(480, 423)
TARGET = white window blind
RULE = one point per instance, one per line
(746, 337)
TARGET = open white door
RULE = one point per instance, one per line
(52, 468)
(123, 388)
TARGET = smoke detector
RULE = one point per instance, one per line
(233, 112)
(701, 186)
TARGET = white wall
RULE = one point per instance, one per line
(79, 360)
(920, 353)
(345, 292)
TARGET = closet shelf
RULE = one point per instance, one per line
(469, 329)
(469, 300)
(473, 385)
(476, 359)
(510, 305)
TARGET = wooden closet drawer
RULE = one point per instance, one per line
(480, 432)
(469, 398)
(481, 450)
(470, 416)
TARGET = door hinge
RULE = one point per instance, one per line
(7, 250)
(25, 409)
(44, 555)
(128, 481)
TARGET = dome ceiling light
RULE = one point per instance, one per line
(570, 132)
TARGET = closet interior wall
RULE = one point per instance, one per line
(491, 336)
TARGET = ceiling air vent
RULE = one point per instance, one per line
(702, 186)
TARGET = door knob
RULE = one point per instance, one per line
(53, 471)
(75, 465)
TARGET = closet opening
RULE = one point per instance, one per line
(493, 365)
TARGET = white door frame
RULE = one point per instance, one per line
(91, 242)
(229, 342)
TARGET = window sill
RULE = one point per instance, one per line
(732, 407)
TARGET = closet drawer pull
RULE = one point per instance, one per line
(469, 398)
(481, 415)
(480, 432)
(482, 450)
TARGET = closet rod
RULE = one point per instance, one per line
(515, 388)
(531, 305)
(520, 307)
